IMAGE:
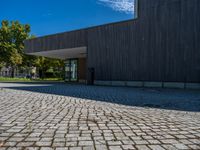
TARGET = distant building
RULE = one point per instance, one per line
(20, 73)
(5, 72)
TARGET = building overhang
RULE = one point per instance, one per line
(61, 46)
(78, 52)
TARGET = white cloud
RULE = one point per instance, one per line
(126, 6)
(47, 14)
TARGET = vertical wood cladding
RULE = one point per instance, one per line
(161, 45)
(82, 68)
(57, 41)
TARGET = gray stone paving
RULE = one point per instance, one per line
(34, 116)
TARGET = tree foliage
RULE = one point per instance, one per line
(44, 64)
(12, 35)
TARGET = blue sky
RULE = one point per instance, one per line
(54, 16)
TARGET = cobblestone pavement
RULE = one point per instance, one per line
(32, 120)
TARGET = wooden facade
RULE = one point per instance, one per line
(162, 44)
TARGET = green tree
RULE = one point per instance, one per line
(44, 64)
(12, 36)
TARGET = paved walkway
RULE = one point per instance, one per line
(73, 117)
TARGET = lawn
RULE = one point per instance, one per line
(8, 79)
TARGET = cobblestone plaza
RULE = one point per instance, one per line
(79, 117)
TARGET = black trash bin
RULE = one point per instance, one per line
(91, 72)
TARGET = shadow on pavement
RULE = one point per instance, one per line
(171, 99)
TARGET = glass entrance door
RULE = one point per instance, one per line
(74, 70)
(71, 70)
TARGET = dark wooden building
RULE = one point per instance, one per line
(161, 46)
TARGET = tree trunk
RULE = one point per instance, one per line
(12, 71)
(41, 73)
